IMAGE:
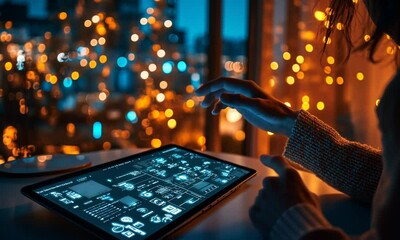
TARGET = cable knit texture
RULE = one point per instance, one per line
(304, 220)
(350, 167)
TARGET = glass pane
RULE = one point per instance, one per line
(234, 60)
(80, 76)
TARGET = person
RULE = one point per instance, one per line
(284, 207)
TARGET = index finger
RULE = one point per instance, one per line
(231, 85)
(278, 163)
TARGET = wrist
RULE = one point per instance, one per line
(290, 122)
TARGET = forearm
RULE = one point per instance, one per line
(348, 166)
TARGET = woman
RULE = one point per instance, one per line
(284, 208)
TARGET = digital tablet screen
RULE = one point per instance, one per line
(142, 196)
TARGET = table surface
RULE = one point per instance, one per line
(21, 218)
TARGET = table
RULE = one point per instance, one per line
(20, 218)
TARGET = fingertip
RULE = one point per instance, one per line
(277, 163)
(204, 104)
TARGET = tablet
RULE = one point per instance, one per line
(143, 196)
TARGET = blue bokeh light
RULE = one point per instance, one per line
(131, 116)
(167, 67)
(182, 66)
(67, 82)
(195, 79)
(122, 62)
(97, 130)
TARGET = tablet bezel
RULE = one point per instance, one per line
(29, 191)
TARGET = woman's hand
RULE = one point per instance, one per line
(279, 194)
(256, 106)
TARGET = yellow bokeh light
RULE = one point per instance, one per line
(62, 15)
(305, 106)
(102, 41)
(360, 76)
(171, 123)
(300, 59)
(274, 65)
(92, 64)
(201, 140)
(270, 133)
(93, 42)
(169, 113)
(390, 50)
(320, 15)
(151, 20)
(329, 80)
(190, 103)
(290, 80)
(377, 102)
(53, 79)
(154, 114)
(155, 143)
(309, 48)
(101, 30)
(340, 81)
(320, 105)
(8, 66)
(305, 98)
(296, 67)
(286, 56)
(87, 23)
(327, 40)
(74, 75)
(103, 59)
(367, 38)
(272, 82)
(330, 60)
(339, 26)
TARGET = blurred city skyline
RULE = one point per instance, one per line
(191, 17)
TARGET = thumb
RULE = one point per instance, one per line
(278, 163)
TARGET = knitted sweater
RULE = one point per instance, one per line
(350, 167)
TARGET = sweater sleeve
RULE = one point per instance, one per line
(303, 221)
(348, 166)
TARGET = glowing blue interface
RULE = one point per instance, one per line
(136, 198)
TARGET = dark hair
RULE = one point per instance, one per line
(343, 11)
